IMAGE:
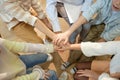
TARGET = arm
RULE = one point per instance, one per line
(36, 5)
(21, 15)
(95, 48)
(27, 47)
(87, 15)
(115, 75)
(52, 14)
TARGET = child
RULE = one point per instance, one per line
(11, 65)
(16, 15)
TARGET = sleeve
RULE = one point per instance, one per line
(36, 5)
(15, 11)
(52, 14)
(111, 34)
(86, 5)
(106, 76)
(31, 76)
(93, 9)
(27, 47)
(99, 48)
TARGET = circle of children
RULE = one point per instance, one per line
(96, 54)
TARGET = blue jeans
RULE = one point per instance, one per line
(33, 59)
(52, 76)
(74, 35)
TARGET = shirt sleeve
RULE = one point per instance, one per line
(36, 5)
(86, 5)
(94, 8)
(27, 47)
(111, 34)
(100, 48)
(15, 11)
(52, 14)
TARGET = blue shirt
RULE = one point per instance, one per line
(52, 11)
(106, 16)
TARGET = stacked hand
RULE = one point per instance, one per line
(60, 41)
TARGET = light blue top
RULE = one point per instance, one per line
(52, 11)
(110, 18)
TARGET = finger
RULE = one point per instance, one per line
(65, 42)
(82, 75)
(59, 42)
(80, 71)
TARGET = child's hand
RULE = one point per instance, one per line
(61, 37)
(64, 47)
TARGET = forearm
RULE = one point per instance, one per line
(74, 47)
(115, 75)
(81, 20)
(41, 27)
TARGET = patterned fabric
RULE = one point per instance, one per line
(13, 11)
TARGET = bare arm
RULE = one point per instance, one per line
(41, 27)
(115, 75)
(81, 20)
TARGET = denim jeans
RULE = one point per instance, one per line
(33, 59)
(74, 35)
(52, 76)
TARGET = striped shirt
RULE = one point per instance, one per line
(14, 11)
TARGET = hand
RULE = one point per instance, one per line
(88, 73)
(61, 37)
(64, 47)
(47, 75)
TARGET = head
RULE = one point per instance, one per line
(116, 5)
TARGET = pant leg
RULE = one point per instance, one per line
(53, 75)
(94, 33)
(33, 59)
(61, 11)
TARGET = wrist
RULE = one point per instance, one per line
(67, 33)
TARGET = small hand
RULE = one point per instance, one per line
(59, 38)
(64, 47)
(88, 73)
